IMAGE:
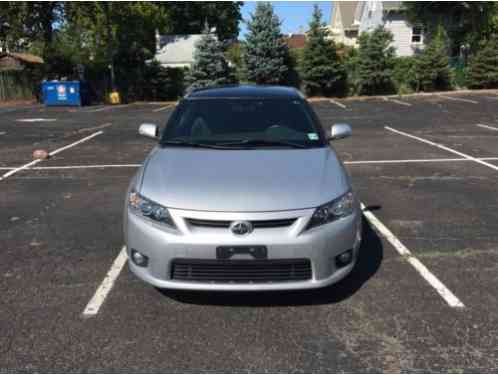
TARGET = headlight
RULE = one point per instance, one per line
(149, 209)
(338, 208)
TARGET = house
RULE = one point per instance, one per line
(347, 25)
(345, 21)
(176, 51)
(295, 41)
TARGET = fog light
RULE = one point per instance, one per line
(139, 259)
(344, 258)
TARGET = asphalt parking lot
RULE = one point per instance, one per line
(422, 298)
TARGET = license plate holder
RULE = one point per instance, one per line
(256, 251)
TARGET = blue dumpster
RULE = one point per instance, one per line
(70, 93)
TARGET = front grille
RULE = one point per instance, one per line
(255, 223)
(241, 270)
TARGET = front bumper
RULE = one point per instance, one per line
(320, 245)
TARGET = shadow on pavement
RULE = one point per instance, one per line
(369, 261)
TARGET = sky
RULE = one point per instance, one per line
(295, 15)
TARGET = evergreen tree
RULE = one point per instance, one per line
(375, 62)
(265, 51)
(432, 69)
(322, 72)
(210, 67)
(483, 67)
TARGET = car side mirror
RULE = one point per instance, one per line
(149, 130)
(340, 131)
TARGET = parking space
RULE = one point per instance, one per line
(430, 235)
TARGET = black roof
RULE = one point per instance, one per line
(246, 91)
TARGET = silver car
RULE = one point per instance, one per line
(243, 192)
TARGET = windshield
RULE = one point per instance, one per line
(243, 123)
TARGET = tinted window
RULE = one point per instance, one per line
(214, 121)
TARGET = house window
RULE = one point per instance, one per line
(417, 34)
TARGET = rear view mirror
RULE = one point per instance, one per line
(339, 131)
(149, 130)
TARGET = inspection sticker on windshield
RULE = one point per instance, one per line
(313, 136)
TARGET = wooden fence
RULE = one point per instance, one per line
(16, 85)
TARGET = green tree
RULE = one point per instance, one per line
(210, 67)
(33, 23)
(322, 72)
(160, 83)
(464, 21)
(375, 62)
(483, 66)
(12, 36)
(233, 54)
(189, 17)
(265, 51)
(120, 35)
(432, 69)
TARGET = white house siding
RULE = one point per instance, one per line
(373, 15)
(402, 34)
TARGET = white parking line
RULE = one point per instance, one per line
(458, 99)
(443, 291)
(107, 108)
(396, 101)
(349, 162)
(55, 152)
(36, 120)
(162, 108)
(96, 166)
(442, 147)
(337, 103)
(486, 127)
(404, 161)
(93, 307)
(84, 130)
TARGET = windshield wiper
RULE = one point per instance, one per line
(262, 142)
(190, 144)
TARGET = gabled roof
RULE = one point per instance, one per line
(177, 49)
(347, 11)
(24, 57)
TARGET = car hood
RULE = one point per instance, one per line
(243, 180)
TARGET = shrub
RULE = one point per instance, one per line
(482, 72)
(403, 74)
(375, 62)
(163, 83)
(432, 69)
(322, 73)
(351, 62)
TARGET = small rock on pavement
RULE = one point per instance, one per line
(40, 154)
